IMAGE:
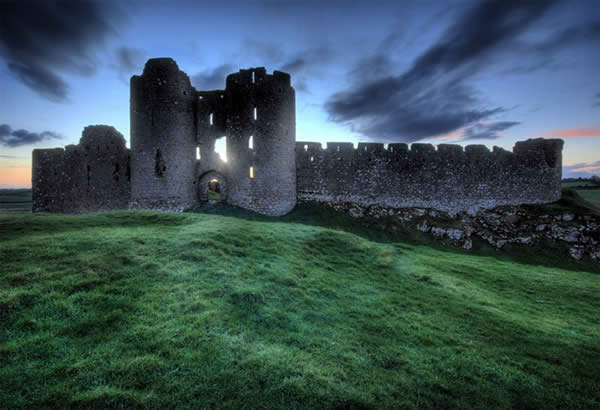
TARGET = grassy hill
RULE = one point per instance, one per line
(224, 308)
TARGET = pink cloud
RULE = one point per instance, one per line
(577, 132)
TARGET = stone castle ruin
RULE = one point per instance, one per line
(172, 162)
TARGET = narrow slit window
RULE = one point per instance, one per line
(250, 142)
(253, 78)
(197, 152)
(255, 113)
(251, 172)
(338, 148)
(210, 118)
(312, 159)
(305, 147)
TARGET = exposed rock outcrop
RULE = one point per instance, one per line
(499, 227)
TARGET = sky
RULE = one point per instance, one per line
(449, 71)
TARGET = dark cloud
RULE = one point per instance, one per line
(17, 138)
(308, 64)
(263, 50)
(41, 40)
(487, 131)
(41, 80)
(434, 96)
(294, 66)
(541, 55)
(212, 79)
(588, 32)
(129, 60)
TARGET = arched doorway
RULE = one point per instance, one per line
(212, 187)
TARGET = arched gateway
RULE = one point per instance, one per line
(212, 186)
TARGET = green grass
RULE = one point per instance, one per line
(590, 195)
(214, 196)
(226, 308)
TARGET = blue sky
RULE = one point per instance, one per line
(467, 72)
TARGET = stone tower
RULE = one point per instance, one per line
(261, 106)
(163, 137)
(253, 106)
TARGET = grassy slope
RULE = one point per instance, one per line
(167, 310)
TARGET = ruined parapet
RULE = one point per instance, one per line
(448, 178)
(90, 176)
(163, 134)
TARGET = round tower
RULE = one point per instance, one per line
(261, 107)
(162, 137)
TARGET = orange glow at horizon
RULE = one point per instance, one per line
(577, 132)
(16, 175)
(451, 135)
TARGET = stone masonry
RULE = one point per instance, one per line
(172, 160)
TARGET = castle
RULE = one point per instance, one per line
(172, 161)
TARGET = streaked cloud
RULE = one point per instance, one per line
(434, 96)
(15, 138)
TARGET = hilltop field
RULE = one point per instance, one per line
(224, 308)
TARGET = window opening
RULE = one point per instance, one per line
(251, 172)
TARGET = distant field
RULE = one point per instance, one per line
(17, 199)
(577, 183)
(591, 195)
(140, 309)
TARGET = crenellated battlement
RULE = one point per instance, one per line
(256, 77)
(532, 153)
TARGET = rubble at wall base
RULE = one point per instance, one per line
(500, 227)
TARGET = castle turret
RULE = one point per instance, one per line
(261, 107)
(162, 137)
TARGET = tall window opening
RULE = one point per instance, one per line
(221, 148)
(255, 114)
(198, 153)
(251, 172)
(210, 119)
(253, 78)
(250, 142)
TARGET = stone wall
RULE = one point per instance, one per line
(91, 176)
(448, 178)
